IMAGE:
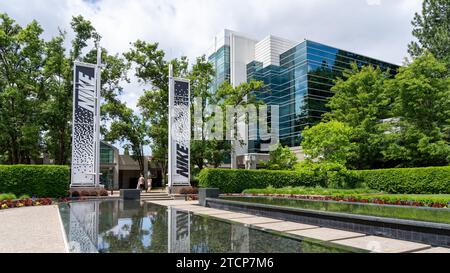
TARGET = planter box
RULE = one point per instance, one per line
(204, 193)
(130, 194)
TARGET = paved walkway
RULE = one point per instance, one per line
(353, 239)
(31, 229)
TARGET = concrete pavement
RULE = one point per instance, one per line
(31, 229)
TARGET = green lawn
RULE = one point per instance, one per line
(361, 195)
(311, 191)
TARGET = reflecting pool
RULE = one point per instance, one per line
(403, 212)
(132, 226)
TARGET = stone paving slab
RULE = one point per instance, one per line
(286, 226)
(382, 245)
(326, 234)
(211, 212)
(31, 230)
(435, 250)
(191, 208)
(233, 215)
(255, 220)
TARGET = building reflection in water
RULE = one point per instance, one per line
(133, 226)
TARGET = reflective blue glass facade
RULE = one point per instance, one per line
(221, 63)
(301, 85)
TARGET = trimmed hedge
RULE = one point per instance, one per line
(430, 180)
(35, 180)
(237, 180)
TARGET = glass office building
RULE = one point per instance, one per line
(298, 76)
(301, 85)
(221, 63)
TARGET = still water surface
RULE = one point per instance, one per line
(132, 226)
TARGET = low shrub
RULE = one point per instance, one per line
(35, 180)
(309, 191)
(237, 180)
(84, 193)
(328, 174)
(24, 196)
(103, 193)
(405, 200)
(7, 196)
(430, 180)
(75, 194)
(189, 190)
(93, 193)
(5, 204)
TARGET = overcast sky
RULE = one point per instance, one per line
(377, 28)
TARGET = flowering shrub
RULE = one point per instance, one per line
(25, 203)
(84, 193)
(103, 193)
(400, 200)
(93, 193)
(189, 190)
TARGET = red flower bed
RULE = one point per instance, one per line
(346, 199)
(28, 202)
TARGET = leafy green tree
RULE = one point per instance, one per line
(57, 113)
(242, 95)
(57, 105)
(281, 158)
(328, 141)
(151, 68)
(432, 30)
(21, 87)
(422, 106)
(360, 101)
(130, 129)
(204, 151)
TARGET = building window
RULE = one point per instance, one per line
(106, 154)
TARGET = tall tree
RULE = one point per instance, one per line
(422, 106)
(360, 101)
(205, 151)
(59, 81)
(130, 129)
(21, 86)
(58, 105)
(432, 30)
(152, 69)
(59, 88)
(243, 95)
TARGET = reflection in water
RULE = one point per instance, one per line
(129, 226)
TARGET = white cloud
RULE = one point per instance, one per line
(380, 29)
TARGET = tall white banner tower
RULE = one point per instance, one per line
(179, 131)
(85, 170)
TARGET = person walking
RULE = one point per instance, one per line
(141, 182)
(149, 184)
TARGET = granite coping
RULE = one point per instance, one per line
(326, 234)
(232, 215)
(256, 220)
(382, 245)
(435, 250)
(285, 226)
